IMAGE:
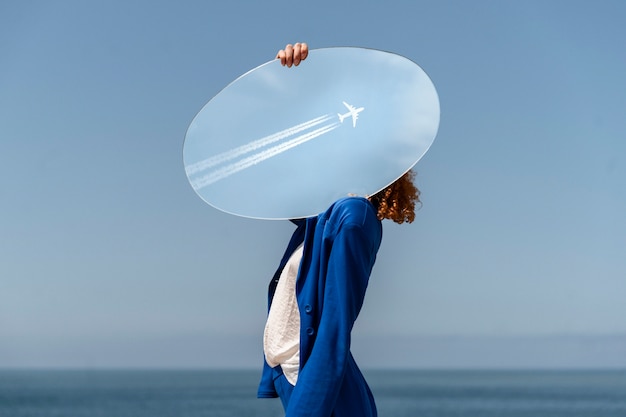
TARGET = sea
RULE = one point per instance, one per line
(232, 393)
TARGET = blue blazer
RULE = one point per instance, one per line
(340, 247)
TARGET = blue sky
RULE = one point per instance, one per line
(109, 259)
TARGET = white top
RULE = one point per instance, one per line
(281, 339)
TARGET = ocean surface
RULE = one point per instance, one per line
(125, 393)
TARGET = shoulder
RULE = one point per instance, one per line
(349, 222)
(352, 212)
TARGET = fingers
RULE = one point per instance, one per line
(300, 52)
(282, 56)
(288, 56)
(293, 54)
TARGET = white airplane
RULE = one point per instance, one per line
(354, 112)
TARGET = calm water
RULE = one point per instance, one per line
(232, 394)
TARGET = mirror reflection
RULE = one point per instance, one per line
(281, 143)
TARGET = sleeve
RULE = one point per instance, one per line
(349, 265)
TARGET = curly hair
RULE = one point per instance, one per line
(397, 201)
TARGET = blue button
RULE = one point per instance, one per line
(310, 331)
(308, 309)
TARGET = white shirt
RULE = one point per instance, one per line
(281, 339)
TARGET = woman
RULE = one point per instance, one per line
(316, 295)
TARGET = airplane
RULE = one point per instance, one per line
(354, 112)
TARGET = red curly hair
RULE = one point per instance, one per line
(397, 201)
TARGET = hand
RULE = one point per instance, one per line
(293, 54)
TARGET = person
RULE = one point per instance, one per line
(316, 295)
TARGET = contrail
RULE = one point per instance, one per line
(252, 146)
(261, 156)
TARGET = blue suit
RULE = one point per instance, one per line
(340, 247)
